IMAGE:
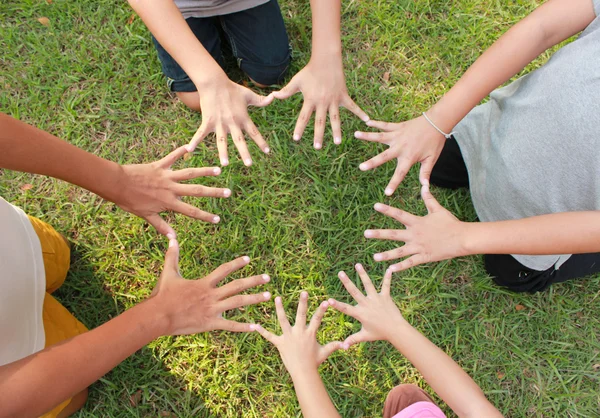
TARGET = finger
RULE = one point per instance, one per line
(425, 171)
(384, 126)
(343, 307)
(193, 212)
(238, 301)
(172, 257)
(192, 173)
(256, 136)
(399, 174)
(359, 337)
(198, 190)
(240, 144)
(238, 286)
(387, 282)
(336, 126)
(198, 136)
(232, 326)
(289, 90)
(161, 225)
(317, 318)
(389, 234)
(302, 121)
(394, 254)
(412, 261)
(226, 269)
(431, 204)
(320, 121)
(221, 133)
(269, 336)
(366, 280)
(378, 160)
(380, 137)
(349, 104)
(350, 287)
(302, 308)
(172, 157)
(283, 321)
(257, 99)
(329, 349)
(397, 214)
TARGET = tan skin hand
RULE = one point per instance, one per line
(148, 189)
(324, 90)
(434, 237)
(194, 306)
(411, 142)
(298, 344)
(377, 312)
(224, 107)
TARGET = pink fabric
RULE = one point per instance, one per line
(421, 410)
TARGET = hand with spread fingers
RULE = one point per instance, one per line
(148, 189)
(224, 111)
(411, 142)
(193, 306)
(437, 236)
(377, 312)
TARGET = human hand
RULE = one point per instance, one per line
(434, 237)
(194, 306)
(323, 87)
(148, 189)
(377, 312)
(298, 345)
(409, 142)
(224, 107)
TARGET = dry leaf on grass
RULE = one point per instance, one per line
(386, 76)
(131, 19)
(519, 307)
(44, 21)
(27, 186)
(500, 375)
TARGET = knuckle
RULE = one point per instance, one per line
(222, 139)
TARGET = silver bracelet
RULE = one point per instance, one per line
(447, 136)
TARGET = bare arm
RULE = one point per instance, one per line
(39, 382)
(381, 320)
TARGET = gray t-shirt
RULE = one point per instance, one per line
(207, 8)
(534, 147)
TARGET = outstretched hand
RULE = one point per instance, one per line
(148, 189)
(437, 236)
(411, 142)
(298, 344)
(194, 306)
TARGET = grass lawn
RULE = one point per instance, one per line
(92, 78)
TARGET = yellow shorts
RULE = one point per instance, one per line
(59, 323)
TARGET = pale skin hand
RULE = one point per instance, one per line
(377, 312)
(197, 306)
(298, 344)
(411, 142)
(437, 236)
(323, 87)
(224, 107)
(148, 189)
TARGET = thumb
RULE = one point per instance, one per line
(172, 257)
(289, 90)
(359, 337)
(430, 202)
(329, 349)
(425, 170)
(258, 100)
(161, 225)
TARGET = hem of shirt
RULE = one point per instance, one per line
(417, 408)
(222, 11)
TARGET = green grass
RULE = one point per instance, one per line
(93, 79)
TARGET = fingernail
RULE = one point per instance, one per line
(224, 161)
(171, 235)
(296, 137)
(378, 206)
(317, 145)
(367, 119)
(226, 192)
(267, 150)
(172, 243)
(216, 220)
(266, 277)
(346, 346)
(324, 304)
(357, 134)
(253, 327)
(358, 266)
(393, 268)
(331, 302)
(425, 182)
(341, 274)
(248, 162)
(278, 299)
(363, 167)
(217, 171)
(369, 123)
(368, 233)
(189, 148)
(246, 259)
(304, 294)
(267, 295)
(377, 257)
(388, 191)
(337, 140)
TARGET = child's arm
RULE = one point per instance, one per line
(302, 355)
(223, 103)
(417, 141)
(440, 235)
(322, 81)
(37, 383)
(381, 320)
(142, 189)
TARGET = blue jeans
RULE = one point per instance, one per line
(256, 37)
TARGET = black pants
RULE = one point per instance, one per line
(450, 172)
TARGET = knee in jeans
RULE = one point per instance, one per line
(266, 73)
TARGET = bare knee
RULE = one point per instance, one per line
(189, 98)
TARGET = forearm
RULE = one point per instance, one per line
(37, 383)
(26, 148)
(557, 233)
(446, 378)
(312, 395)
(326, 38)
(545, 27)
(164, 20)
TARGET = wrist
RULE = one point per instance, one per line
(468, 238)
(302, 373)
(153, 318)
(210, 79)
